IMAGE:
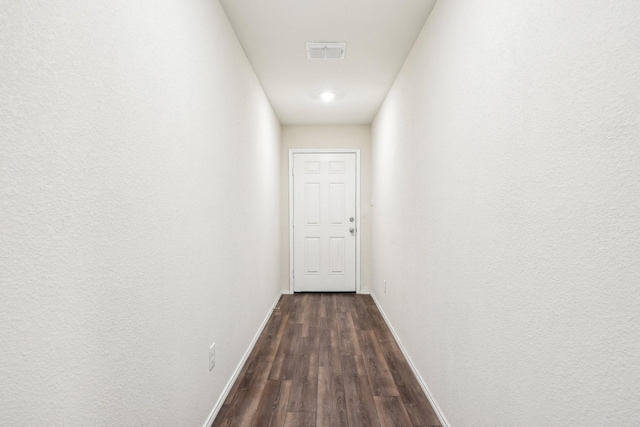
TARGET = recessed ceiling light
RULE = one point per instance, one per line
(327, 96)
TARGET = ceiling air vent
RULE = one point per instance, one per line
(326, 50)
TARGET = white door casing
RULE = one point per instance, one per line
(324, 213)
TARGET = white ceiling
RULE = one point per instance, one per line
(379, 35)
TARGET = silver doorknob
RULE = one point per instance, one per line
(351, 230)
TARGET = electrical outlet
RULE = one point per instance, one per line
(212, 356)
(385, 286)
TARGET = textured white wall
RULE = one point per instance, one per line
(139, 189)
(506, 218)
(328, 137)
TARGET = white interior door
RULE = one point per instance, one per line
(324, 222)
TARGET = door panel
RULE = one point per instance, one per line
(336, 204)
(312, 255)
(324, 212)
(312, 203)
(336, 255)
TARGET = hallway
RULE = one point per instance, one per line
(326, 360)
(145, 223)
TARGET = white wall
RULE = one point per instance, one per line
(328, 137)
(139, 188)
(506, 165)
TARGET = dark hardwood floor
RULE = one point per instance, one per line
(326, 360)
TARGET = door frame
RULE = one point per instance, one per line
(293, 151)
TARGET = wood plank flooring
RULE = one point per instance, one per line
(326, 360)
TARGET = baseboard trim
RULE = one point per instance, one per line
(236, 373)
(423, 384)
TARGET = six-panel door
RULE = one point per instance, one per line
(324, 222)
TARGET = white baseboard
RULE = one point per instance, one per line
(423, 384)
(234, 377)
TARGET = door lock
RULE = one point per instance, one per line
(352, 219)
